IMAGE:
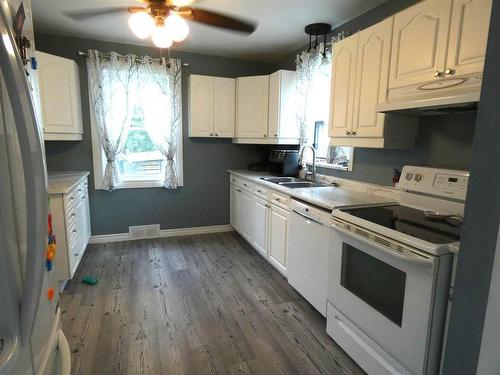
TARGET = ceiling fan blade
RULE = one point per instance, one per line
(82, 14)
(219, 20)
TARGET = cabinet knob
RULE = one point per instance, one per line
(353, 132)
(348, 132)
(73, 214)
(437, 74)
(211, 134)
(449, 71)
(216, 134)
(265, 135)
(276, 135)
(76, 254)
(74, 230)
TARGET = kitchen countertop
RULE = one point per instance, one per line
(327, 197)
(63, 182)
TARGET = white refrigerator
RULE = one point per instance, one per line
(31, 341)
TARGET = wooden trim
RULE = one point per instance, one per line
(50, 136)
(105, 238)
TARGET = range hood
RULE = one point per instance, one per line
(450, 95)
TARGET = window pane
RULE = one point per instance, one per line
(138, 141)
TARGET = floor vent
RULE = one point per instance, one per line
(144, 231)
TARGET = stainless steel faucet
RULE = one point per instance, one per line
(301, 157)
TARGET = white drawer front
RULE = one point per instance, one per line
(261, 192)
(280, 200)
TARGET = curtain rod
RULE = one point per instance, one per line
(106, 54)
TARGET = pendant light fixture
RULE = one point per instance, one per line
(316, 30)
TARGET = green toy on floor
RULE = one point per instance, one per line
(87, 279)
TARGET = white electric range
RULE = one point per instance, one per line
(390, 270)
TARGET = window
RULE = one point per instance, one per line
(314, 80)
(136, 121)
(140, 160)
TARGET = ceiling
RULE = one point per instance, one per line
(280, 24)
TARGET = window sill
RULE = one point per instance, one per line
(140, 184)
(329, 166)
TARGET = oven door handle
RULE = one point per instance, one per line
(420, 261)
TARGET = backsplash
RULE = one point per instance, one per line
(443, 142)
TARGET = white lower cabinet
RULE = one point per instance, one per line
(278, 227)
(260, 216)
(246, 215)
(71, 225)
(260, 225)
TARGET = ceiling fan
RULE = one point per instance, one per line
(165, 21)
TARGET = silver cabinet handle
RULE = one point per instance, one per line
(449, 71)
(437, 74)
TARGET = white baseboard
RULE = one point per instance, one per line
(104, 238)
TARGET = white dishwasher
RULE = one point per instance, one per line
(308, 242)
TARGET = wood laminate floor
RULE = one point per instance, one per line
(192, 305)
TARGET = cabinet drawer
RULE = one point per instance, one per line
(260, 191)
(242, 183)
(280, 200)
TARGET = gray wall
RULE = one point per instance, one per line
(204, 199)
(443, 141)
(482, 216)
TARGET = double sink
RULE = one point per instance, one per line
(292, 182)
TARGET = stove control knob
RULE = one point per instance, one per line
(409, 176)
(418, 177)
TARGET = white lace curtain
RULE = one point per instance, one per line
(313, 82)
(118, 83)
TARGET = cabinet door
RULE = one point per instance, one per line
(234, 207)
(277, 238)
(372, 74)
(470, 20)
(260, 223)
(419, 42)
(86, 217)
(281, 120)
(224, 107)
(343, 86)
(252, 95)
(245, 215)
(59, 95)
(201, 106)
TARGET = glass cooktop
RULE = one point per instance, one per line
(410, 221)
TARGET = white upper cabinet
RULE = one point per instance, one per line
(224, 107)
(469, 27)
(211, 106)
(60, 100)
(201, 106)
(437, 39)
(372, 72)
(419, 42)
(281, 119)
(343, 85)
(265, 109)
(360, 73)
(252, 105)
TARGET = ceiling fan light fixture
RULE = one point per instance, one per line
(161, 37)
(177, 27)
(141, 24)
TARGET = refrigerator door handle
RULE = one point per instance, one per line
(33, 173)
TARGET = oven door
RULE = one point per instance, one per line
(387, 294)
